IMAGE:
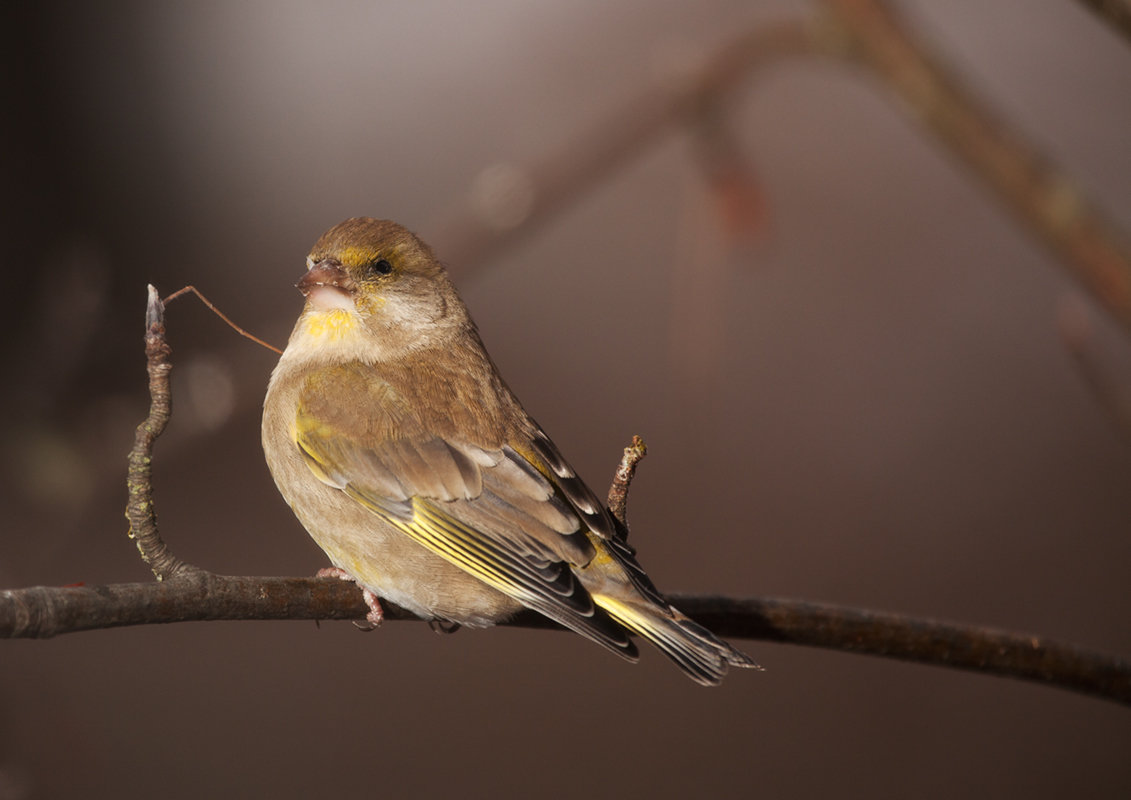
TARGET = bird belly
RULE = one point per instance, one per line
(380, 557)
(393, 566)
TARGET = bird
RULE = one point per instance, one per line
(394, 439)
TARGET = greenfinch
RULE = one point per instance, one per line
(389, 431)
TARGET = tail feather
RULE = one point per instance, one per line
(703, 656)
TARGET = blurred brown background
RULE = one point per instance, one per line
(877, 408)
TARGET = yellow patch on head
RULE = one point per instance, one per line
(356, 256)
(333, 325)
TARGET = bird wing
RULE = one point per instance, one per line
(593, 512)
(486, 509)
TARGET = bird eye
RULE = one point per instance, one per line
(381, 267)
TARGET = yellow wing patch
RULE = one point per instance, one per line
(550, 588)
(448, 538)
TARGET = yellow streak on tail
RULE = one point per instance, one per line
(693, 649)
(625, 614)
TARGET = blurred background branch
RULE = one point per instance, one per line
(515, 200)
(512, 201)
(1025, 180)
(1116, 13)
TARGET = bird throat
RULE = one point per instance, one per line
(331, 325)
(330, 298)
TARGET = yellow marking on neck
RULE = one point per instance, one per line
(333, 325)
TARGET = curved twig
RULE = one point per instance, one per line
(140, 510)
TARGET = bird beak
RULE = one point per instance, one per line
(326, 273)
(327, 287)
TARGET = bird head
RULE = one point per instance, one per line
(372, 283)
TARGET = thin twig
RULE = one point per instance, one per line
(1092, 248)
(140, 510)
(626, 470)
(221, 315)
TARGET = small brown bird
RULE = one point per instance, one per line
(390, 433)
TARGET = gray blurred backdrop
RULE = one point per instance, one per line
(869, 402)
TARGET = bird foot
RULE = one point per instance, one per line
(443, 626)
(376, 614)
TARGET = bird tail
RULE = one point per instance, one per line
(699, 653)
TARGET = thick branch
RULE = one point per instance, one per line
(925, 641)
(1025, 181)
(42, 612)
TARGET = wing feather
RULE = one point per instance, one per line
(485, 509)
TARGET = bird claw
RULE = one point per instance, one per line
(443, 626)
(376, 614)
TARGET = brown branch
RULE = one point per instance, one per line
(43, 612)
(561, 178)
(626, 471)
(1051, 205)
(1116, 13)
(1091, 247)
(925, 641)
(140, 510)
